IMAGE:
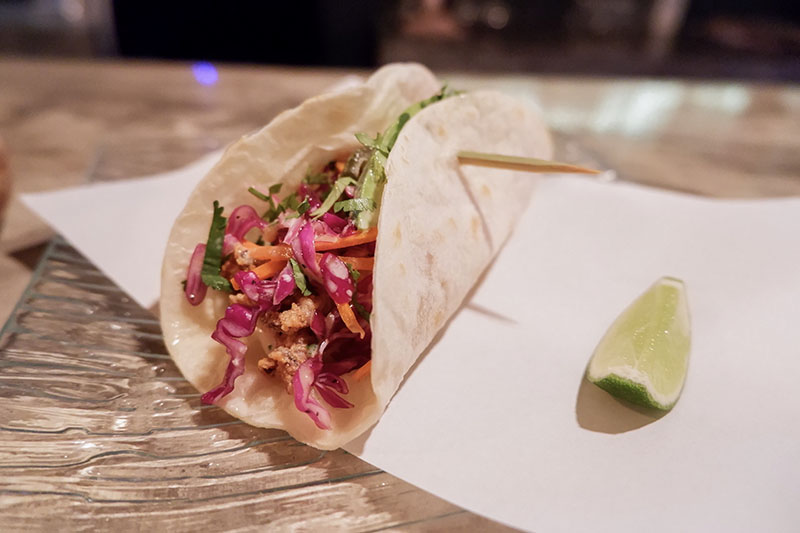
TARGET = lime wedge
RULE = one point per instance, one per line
(644, 355)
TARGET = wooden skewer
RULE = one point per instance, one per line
(528, 164)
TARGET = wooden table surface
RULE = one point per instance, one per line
(66, 123)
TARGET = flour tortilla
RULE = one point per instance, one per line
(439, 227)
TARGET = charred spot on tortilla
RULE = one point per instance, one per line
(438, 318)
(398, 235)
(475, 226)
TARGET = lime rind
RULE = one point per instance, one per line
(632, 392)
(643, 357)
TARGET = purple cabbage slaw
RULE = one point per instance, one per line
(344, 351)
(195, 289)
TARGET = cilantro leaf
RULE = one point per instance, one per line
(336, 192)
(373, 174)
(361, 310)
(212, 261)
(355, 274)
(368, 141)
(354, 204)
(370, 187)
(299, 277)
(304, 206)
(260, 195)
(290, 203)
(272, 213)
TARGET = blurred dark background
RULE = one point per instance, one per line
(698, 38)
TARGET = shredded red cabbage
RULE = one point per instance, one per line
(303, 248)
(318, 325)
(327, 385)
(336, 278)
(292, 225)
(239, 321)
(316, 382)
(195, 289)
(322, 231)
(330, 321)
(313, 198)
(303, 383)
(343, 366)
(349, 229)
(310, 376)
(286, 284)
(260, 291)
(335, 222)
(242, 219)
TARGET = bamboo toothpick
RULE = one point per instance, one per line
(527, 164)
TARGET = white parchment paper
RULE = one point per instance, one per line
(497, 418)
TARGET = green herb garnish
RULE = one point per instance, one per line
(370, 188)
(299, 277)
(272, 213)
(368, 141)
(212, 261)
(354, 204)
(290, 203)
(361, 310)
(303, 206)
(336, 191)
(373, 175)
(355, 274)
(258, 194)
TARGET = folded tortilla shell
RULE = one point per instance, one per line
(439, 227)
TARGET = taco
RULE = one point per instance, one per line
(318, 259)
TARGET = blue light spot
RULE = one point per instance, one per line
(205, 73)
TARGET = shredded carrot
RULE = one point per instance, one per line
(349, 319)
(340, 165)
(358, 263)
(362, 237)
(362, 372)
(234, 284)
(269, 269)
(279, 251)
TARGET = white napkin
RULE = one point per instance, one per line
(123, 226)
(497, 418)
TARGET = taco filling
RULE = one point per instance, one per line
(302, 269)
